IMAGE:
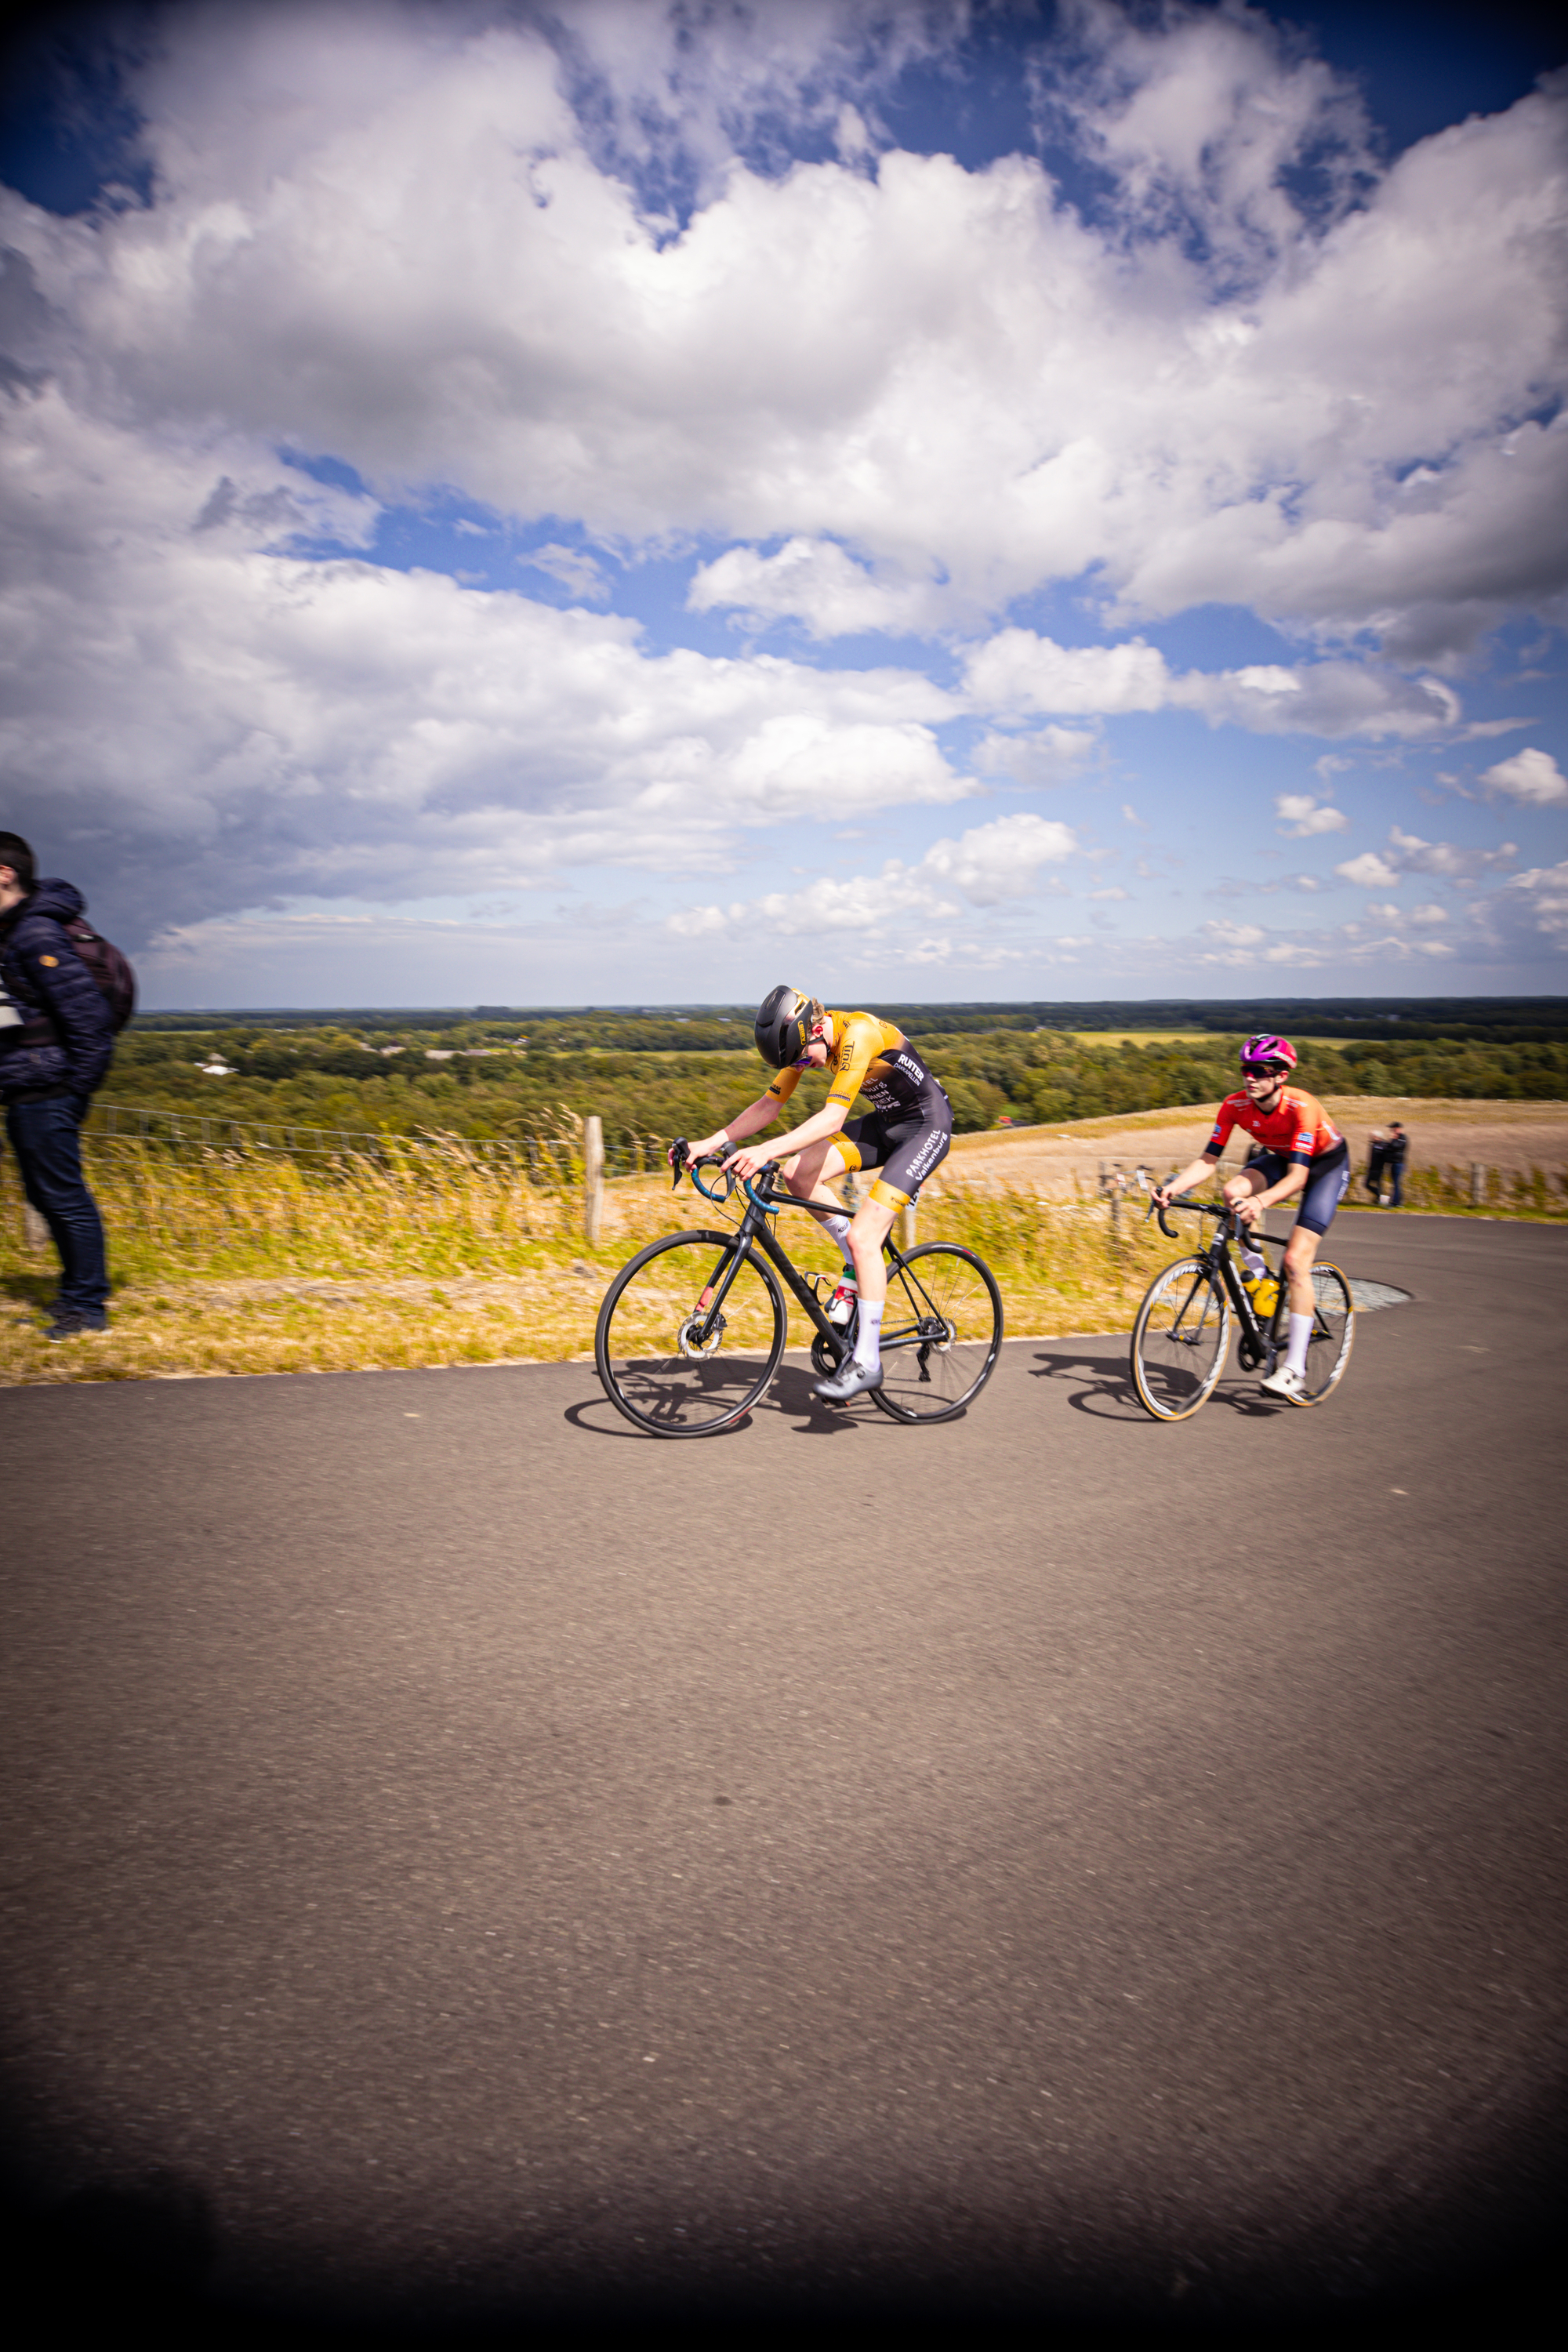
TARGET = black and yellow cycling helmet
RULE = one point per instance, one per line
(783, 1025)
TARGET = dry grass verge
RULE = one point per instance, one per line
(230, 1265)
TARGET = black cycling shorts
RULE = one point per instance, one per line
(902, 1150)
(1327, 1180)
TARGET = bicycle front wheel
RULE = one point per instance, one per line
(690, 1335)
(1179, 1340)
(941, 1330)
(1333, 1330)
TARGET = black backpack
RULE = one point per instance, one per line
(109, 969)
(116, 981)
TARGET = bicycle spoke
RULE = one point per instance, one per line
(942, 1328)
(1179, 1340)
(1333, 1329)
(676, 1358)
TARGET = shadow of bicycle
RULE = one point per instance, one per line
(789, 1398)
(1096, 1375)
(1102, 1384)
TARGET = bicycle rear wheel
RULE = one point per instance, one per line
(941, 1330)
(1179, 1340)
(679, 1353)
(1333, 1333)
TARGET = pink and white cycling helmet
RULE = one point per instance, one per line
(1266, 1047)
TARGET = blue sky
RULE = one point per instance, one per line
(627, 501)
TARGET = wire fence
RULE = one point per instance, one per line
(549, 1162)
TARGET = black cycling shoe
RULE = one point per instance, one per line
(851, 1380)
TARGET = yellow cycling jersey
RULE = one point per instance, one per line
(871, 1057)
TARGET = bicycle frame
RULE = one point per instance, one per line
(1215, 1257)
(755, 1227)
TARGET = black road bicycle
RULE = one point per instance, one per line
(691, 1331)
(1182, 1331)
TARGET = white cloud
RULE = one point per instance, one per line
(1408, 854)
(1016, 672)
(577, 572)
(1369, 872)
(1429, 914)
(1043, 757)
(1301, 815)
(1530, 913)
(1531, 777)
(1233, 935)
(813, 581)
(225, 724)
(390, 234)
(986, 866)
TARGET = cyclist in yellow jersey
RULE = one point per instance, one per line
(905, 1136)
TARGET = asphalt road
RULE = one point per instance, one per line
(464, 1858)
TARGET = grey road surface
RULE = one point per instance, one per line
(465, 1858)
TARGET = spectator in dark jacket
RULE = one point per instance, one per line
(1398, 1144)
(57, 1038)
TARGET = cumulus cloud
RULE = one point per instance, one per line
(985, 867)
(1043, 757)
(1017, 671)
(1530, 913)
(1407, 853)
(814, 582)
(1301, 815)
(654, 278)
(1530, 777)
(215, 722)
(438, 250)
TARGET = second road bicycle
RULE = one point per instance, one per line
(692, 1331)
(1182, 1335)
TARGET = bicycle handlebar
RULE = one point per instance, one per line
(680, 1160)
(1224, 1209)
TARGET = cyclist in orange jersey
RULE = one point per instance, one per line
(905, 1136)
(1302, 1153)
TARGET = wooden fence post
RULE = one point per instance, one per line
(35, 1230)
(906, 1228)
(593, 1180)
(1477, 1184)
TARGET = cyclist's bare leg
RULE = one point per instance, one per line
(1236, 1187)
(808, 1180)
(1301, 1252)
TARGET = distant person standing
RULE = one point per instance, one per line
(1376, 1154)
(57, 1037)
(1394, 1153)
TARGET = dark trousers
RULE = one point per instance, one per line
(47, 1140)
(1395, 1173)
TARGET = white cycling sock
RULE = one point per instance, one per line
(839, 1228)
(1253, 1262)
(868, 1338)
(1296, 1346)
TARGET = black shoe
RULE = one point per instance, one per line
(851, 1380)
(74, 1327)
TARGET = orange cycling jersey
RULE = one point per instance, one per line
(871, 1057)
(1298, 1126)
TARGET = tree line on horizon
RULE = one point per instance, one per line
(487, 1080)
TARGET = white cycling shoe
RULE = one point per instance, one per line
(851, 1380)
(1286, 1384)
